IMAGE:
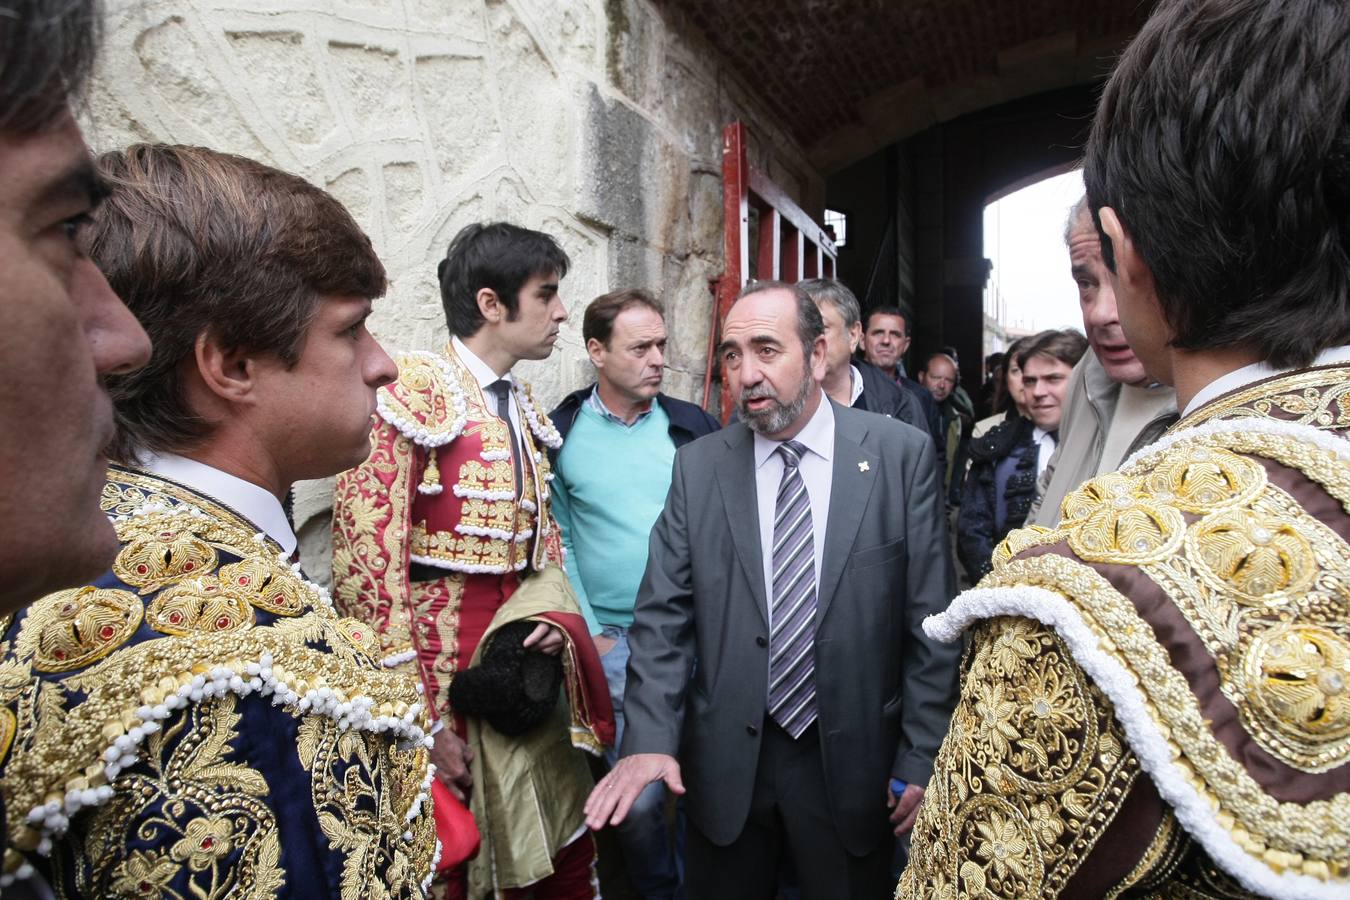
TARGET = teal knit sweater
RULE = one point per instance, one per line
(610, 486)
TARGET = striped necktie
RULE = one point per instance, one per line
(792, 675)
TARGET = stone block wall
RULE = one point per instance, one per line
(594, 120)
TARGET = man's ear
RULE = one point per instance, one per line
(230, 374)
(490, 305)
(1131, 271)
(819, 352)
(855, 335)
(595, 349)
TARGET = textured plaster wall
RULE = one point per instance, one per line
(593, 120)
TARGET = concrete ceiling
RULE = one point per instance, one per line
(852, 76)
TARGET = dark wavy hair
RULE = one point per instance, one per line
(198, 242)
(1222, 143)
(47, 49)
(495, 255)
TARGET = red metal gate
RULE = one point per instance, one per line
(789, 245)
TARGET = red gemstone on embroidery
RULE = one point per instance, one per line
(208, 843)
(166, 534)
(145, 887)
(243, 579)
(222, 622)
(189, 566)
(142, 569)
(59, 654)
(356, 635)
(106, 632)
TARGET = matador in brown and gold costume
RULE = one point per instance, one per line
(1156, 694)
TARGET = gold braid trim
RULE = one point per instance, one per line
(1031, 774)
(1312, 838)
(1306, 397)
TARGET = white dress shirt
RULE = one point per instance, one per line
(1240, 378)
(817, 470)
(855, 385)
(483, 374)
(1045, 447)
(257, 504)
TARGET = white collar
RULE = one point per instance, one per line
(481, 371)
(1037, 432)
(1249, 374)
(856, 384)
(817, 435)
(254, 503)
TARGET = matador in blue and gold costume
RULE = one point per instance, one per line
(200, 723)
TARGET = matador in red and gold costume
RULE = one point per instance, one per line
(442, 538)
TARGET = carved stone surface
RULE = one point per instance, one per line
(597, 121)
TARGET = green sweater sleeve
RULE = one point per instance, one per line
(562, 513)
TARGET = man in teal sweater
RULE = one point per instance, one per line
(612, 475)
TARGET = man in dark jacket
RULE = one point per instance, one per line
(612, 475)
(850, 382)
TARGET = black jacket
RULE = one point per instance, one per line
(687, 420)
(978, 530)
(882, 395)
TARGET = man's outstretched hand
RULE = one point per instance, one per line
(614, 795)
(452, 757)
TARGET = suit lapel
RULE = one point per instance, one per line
(855, 472)
(736, 478)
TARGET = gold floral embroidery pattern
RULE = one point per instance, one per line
(1310, 397)
(1300, 680)
(265, 585)
(485, 554)
(168, 553)
(361, 791)
(1313, 838)
(1031, 773)
(209, 812)
(71, 629)
(370, 538)
(435, 615)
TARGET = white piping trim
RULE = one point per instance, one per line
(1324, 439)
(1146, 739)
(471, 568)
(415, 431)
(478, 494)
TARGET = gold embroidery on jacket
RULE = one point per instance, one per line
(196, 808)
(370, 538)
(362, 788)
(1032, 771)
(1313, 838)
(74, 628)
(1313, 397)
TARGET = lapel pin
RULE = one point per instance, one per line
(863, 466)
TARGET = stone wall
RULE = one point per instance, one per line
(594, 120)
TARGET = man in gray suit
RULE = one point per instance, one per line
(789, 688)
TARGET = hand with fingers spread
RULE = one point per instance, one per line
(614, 795)
(545, 638)
(905, 809)
(451, 757)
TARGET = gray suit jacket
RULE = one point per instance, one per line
(698, 671)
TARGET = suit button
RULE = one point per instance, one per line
(751, 730)
(762, 641)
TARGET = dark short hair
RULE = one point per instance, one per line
(1003, 401)
(809, 323)
(901, 311)
(836, 293)
(598, 321)
(1067, 346)
(196, 242)
(498, 256)
(1222, 143)
(47, 49)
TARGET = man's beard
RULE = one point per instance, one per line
(777, 416)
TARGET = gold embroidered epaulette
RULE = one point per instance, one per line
(1199, 564)
(426, 403)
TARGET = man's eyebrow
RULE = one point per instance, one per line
(81, 183)
(1080, 270)
(548, 287)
